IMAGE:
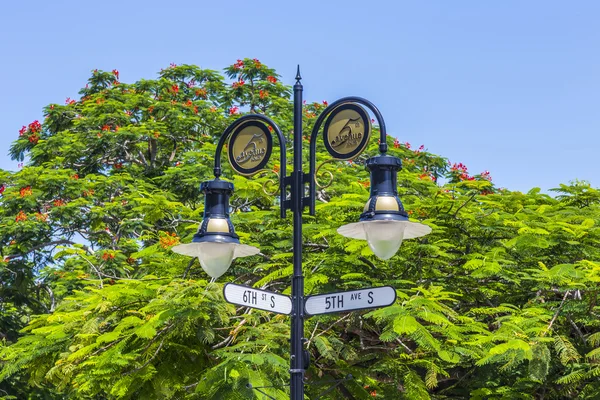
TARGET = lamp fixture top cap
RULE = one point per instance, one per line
(216, 184)
(384, 161)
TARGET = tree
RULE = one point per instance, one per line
(498, 302)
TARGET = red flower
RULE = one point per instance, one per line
(105, 128)
(75, 176)
(270, 128)
(189, 103)
(35, 127)
(41, 217)
(52, 106)
(175, 89)
(201, 93)
(213, 109)
(262, 94)
(195, 109)
(26, 191)
(238, 84)
(33, 138)
(69, 101)
(486, 175)
(168, 240)
(257, 64)
(150, 109)
(234, 110)
(407, 145)
(118, 165)
(58, 203)
(238, 65)
(396, 143)
(115, 73)
(22, 130)
(271, 79)
(2, 189)
(172, 65)
(325, 103)
(128, 112)
(21, 216)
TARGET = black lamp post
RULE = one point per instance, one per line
(384, 223)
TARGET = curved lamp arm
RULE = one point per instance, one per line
(317, 127)
(282, 149)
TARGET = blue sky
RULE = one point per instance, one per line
(512, 87)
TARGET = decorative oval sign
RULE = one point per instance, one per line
(250, 147)
(347, 131)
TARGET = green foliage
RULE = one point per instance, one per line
(500, 301)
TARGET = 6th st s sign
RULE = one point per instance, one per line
(256, 298)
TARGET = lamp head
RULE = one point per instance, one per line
(384, 223)
(216, 243)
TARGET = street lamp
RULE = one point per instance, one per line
(384, 222)
(216, 244)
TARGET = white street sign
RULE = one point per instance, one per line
(256, 298)
(352, 300)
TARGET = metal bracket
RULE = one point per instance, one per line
(307, 201)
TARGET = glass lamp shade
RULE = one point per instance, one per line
(384, 235)
(215, 257)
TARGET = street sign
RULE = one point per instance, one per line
(256, 298)
(351, 300)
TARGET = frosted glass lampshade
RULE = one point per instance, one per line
(384, 237)
(215, 258)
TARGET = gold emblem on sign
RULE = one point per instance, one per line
(250, 147)
(347, 131)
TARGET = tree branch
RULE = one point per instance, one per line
(188, 267)
(567, 293)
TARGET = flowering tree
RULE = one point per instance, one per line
(500, 301)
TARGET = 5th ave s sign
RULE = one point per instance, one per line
(350, 300)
